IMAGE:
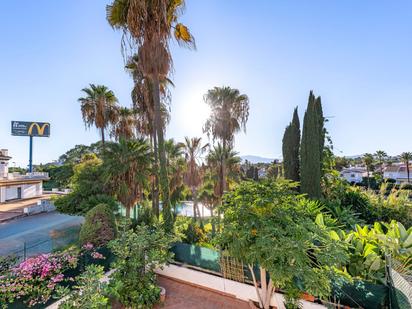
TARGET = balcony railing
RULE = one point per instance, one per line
(34, 175)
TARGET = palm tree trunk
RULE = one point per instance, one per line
(194, 202)
(367, 171)
(224, 184)
(102, 133)
(164, 180)
(128, 212)
(407, 169)
(155, 195)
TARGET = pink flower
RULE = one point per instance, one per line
(89, 246)
(98, 256)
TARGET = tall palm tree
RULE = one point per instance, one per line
(223, 162)
(193, 149)
(406, 157)
(126, 166)
(148, 25)
(176, 168)
(142, 97)
(124, 127)
(220, 158)
(98, 107)
(381, 157)
(229, 114)
(368, 161)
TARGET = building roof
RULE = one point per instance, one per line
(397, 168)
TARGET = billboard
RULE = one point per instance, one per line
(26, 128)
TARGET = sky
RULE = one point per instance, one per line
(355, 54)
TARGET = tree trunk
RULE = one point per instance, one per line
(407, 169)
(102, 133)
(194, 198)
(128, 212)
(155, 194)
(164, 180)
(367, 171)
(264, 294)
(224, 184)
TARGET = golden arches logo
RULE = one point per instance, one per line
(40, 130)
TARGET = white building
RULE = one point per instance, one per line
(14, 186)
(354, 174)
(398, 172)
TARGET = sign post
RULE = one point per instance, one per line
(26, 128)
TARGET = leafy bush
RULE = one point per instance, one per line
(138, 254)
(99, 226)
(369, 206)
(145, 215)
(86, 182)
(191, 232)
(89, 291)
(268, 224)
(368, 247)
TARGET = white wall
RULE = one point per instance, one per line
(2, 194)
(238, 290)
(27, 191)
(11, 193)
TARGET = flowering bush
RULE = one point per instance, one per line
(35, 279)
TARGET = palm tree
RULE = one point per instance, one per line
(98, 107)
(126, 166)
(368, 161)
(142, 97)
(148, 26)
(220, 158)
(193, 149)
(381, 157)
(125, 125)
(229, 114)
(176, 168)
(406, 157)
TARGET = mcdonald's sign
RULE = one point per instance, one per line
(26, 128)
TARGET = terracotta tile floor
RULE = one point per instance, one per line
(184, 296)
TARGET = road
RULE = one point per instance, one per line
(39, 233)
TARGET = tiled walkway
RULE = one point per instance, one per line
(184, 296)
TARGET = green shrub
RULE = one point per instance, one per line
(138, 253)
(89, 290)
(99, 226)
(189, 231)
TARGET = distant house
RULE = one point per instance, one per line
(354, 174)
(14, 186)
(398, 172)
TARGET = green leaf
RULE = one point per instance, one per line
(319, 220)
(375, 265)
(334, 235)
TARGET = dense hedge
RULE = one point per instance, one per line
(99, 226)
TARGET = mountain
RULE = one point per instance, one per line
(256, 159)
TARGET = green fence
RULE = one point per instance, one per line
(201, 257)
(399, 280)
(356, 294)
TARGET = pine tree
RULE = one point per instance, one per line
(311, 152)
(290, 148)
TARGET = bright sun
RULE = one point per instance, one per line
(193, 112)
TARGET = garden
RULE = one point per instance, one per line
(297, 229)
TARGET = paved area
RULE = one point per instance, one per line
(181, 296)
(14, 209)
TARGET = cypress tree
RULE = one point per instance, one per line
(290, 148)
(311, 152)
